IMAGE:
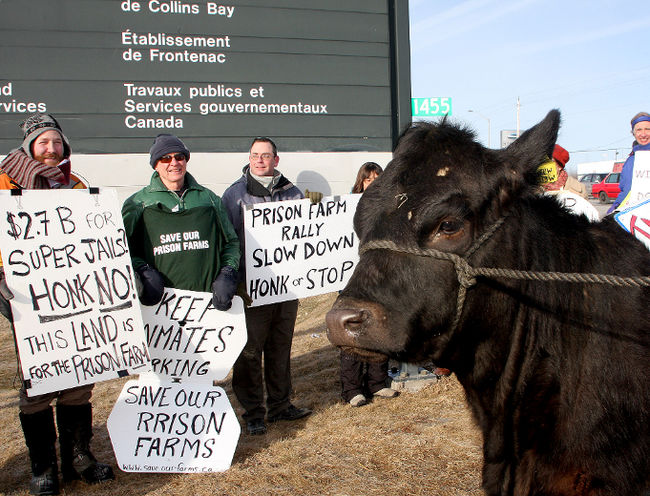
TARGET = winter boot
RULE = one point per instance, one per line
(40, 437)
(75, 431)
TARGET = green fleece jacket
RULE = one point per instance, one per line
(187, 238)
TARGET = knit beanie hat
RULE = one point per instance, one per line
(37, 124)
(560, 155)
(165, 144)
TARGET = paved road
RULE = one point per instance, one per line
(601, 207)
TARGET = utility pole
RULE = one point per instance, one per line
(518, 107)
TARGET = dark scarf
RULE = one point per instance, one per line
(255, 188)
(32, 174)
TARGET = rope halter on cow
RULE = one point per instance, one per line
(467, 274)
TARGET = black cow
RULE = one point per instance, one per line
(556, 373)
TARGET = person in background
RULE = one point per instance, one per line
(173, 203)
(366, 175)
(270, 327)
(567, 190)
(359, 379)
(43, 162)
(564, 181)
(641, 132)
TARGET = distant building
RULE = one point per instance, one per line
(507, 137)
(600, 166)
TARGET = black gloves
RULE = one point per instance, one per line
(224, 287)
(150, 285)
(4, 289)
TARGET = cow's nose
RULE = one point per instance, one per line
(344, 324)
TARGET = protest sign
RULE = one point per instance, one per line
(190, 340)
(640, 186)
(296, 249)
(173, 419)
(636, 220)
(75, 307)
(160, 426)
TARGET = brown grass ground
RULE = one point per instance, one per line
(421, 443)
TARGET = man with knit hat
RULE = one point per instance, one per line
(564, 182)
(174, 206)
(43, 162)
(43, 159)
(567, 190)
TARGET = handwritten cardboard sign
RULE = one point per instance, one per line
(173, 419)
(160, 426)
(547, 172)
(640, 187)
(190, 340)
(636, 220)
(75, 306)
(296, 249)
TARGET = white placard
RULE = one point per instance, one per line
(190, 340)
(296, 249)
(640, 186)
(160, 426)
(636, 220)
(75, 307)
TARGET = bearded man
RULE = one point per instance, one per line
(43, 162)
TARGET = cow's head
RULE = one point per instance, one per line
(442, 190)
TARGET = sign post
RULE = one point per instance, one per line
(296, 249)
(116, 73)
(191, 341)
(161, 426)
(430, 107)
(640, 187)
(76, 311)
(636, 220)
(175, 419)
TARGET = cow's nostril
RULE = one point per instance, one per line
(354, 320)
(346, 320)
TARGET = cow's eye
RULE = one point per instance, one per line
(448, 230)
(450, 226)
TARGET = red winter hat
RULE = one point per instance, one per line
(560, 155)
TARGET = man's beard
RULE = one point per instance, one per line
(49, 158)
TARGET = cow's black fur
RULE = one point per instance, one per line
(556, 373)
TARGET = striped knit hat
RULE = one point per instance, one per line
(37, 124)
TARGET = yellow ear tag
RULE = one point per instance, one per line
(547, 172)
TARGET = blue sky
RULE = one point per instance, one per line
(590, 59)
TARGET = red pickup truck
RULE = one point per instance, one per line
(608, 188)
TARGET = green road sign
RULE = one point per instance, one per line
(429, 107)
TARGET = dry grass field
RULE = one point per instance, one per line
(421, 443)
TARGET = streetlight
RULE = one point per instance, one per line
(487, 119)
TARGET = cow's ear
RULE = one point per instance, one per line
(535, 146)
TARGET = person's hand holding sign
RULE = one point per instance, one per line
(223, 288)
(150, 284)
(313, 196)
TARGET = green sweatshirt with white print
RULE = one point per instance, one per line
(187, 238)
